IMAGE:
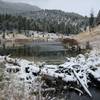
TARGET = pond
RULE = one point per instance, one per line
(94, 91)
(50, 52)
(72, 95)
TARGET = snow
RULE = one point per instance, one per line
(95, 73)
(2, 59)
(80, 64)
(82, 83)
(75, 69)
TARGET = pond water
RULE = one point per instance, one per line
(50, 52)
(74, 96)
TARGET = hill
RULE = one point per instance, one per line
(70, 23)
(53, 21)
(13, 8)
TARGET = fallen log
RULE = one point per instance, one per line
(82, 84)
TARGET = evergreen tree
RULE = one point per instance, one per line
(49, 24)
(91, 20)
(98, 18)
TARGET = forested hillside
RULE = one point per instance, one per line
(67, 24)
(20, 16)
(57, 21)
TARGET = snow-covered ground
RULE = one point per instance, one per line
(75, 69)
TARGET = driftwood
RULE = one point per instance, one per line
(76, 89)
(83, 85)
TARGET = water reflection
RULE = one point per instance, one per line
(50, 52)
(37, 50)
(31, 49)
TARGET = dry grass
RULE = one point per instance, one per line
(93, 37)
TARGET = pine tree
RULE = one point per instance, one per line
(98, 18)
(91, 20)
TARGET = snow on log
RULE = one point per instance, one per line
(81, 82)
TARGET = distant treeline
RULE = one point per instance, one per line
(10, 22)
(94, 21)
(70, 26)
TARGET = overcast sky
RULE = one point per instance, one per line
(79, 6)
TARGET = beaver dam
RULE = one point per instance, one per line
(52, 82)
